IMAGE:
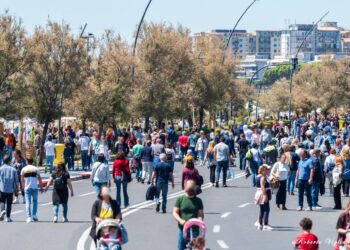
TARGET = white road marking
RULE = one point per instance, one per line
(244, 205)
(222, 244)
(137, 207)
(216, 229)
(17, 212)
(45, 204)
(82, 195)
(225, 215)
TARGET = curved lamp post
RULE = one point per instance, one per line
(294, 63)
(137, 36)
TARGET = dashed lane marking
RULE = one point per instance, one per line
(216, 229)
(244, 205)
(222, 244)
(225, 215)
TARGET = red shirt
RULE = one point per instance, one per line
(306, 241)
(183, 140)
(120, 166)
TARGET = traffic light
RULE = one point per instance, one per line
(294, 63)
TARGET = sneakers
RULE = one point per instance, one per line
(29, 220)
(15, 201)
(260, 227)
(35, 218)
(2, 215)
(256, 224)
(308, 209)
(267, 228)
(8, 219)
(64, 220)
(55, 219)
(318, 207)
(299, 208)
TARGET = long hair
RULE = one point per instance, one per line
(211, 146)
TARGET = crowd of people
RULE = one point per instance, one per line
(310, 155)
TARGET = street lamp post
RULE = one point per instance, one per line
(294, 64)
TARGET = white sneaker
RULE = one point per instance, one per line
(308, 209)
(260, 227)
(15, 201)
(65, 220)
(2, 215)
(55, 219)
(256, 224)
(267, 228)
(299, 208)
(35, 218)
(29, 220)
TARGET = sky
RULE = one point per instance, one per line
(198, 15)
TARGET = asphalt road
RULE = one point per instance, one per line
(229, 216)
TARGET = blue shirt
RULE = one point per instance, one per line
(163, 171)
(304, 169)
(8, 179)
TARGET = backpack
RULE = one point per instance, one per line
(59, 183)
(249, 155)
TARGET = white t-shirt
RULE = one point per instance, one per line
(222, 151)
(49, 148)
(84, 142)
(248, 135)
(30, 174)
(281, 170)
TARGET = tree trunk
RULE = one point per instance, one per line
(190, 121)
(20, 133)
(100, 128)
(160, 124)
(84, 125)
(201, 117)
(42, 141)
(147, 122)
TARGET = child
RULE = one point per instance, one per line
(306, 240)
(198, 243)
(111, 239)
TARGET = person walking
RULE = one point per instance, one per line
(120, 171)
(254, 162)
(147, 160)
(304, 180)
(189, 172)
(345, 153)
(104, 208)
(84, 142)
(201, 147)
(281, 171)
(162, 173)
(187, 207)
(337, 180)
(18, 162)
(209, 156)
(183, 142)
(49, 154)
(329, 165)
(293, 167)
(100, 174)
(223, 161)
(243, 147)
(8, 187)
(170, 155)
(94, 144)
(137, 156)
(157, 149)
(264, 197)
(30, 177)
(317, 180)
(61, 182)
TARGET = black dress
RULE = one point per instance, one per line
(60, 195)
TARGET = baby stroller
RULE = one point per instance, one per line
(194, 229)
(111, 235)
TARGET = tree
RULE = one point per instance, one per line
(163, 66)
(108, 87)
(323, 85)
(58, 68)
(13, 56)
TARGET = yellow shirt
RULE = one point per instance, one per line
(106, 212)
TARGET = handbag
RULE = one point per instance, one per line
(150, 193)
(126, 176)
(275, 181)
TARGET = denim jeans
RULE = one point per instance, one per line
(224, 166)
(304, 186)
(119, 183)
(146, 170)
(264, 213)
(162, 187)
(201, 154)
(315, 189)
(65, 210)
(98, 187)
(31, 195)
(183, 152)
(9, 151)
(113, 247)
(138, 167)
(194, 153)
(1, 158)
(94, 158)
(181, 241)
(291, 181)
(84, 159)
(242, 161)
(49, 163)
(254, 171)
